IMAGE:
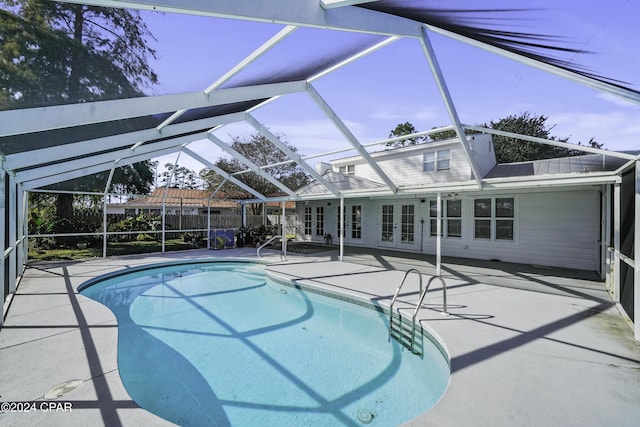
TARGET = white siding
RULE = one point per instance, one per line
(405, 168)
(482, 153)
(559, 229)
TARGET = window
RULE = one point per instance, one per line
(429, 162)
(307, 221)
(504, 218)
(493, 218)
(387, 223)
(344, 221)
(356, 222)
(407, 224)
(439, 160)
(320, 221)
(482, 218)
(443, 159)
(451, 218)
(348, 169)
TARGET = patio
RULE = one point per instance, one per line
(528, 346)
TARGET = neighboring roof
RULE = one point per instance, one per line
(181, 192)
(187, 198)
(287, 205)
(341, 182)
(575, 164)
(176, 197)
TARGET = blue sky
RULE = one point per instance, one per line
(395, 85)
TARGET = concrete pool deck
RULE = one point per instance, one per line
(528, 346)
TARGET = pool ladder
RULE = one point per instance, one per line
(400, 328)
(283, 254)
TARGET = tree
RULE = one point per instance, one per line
(261, 152)
(403, 129)
(56, 53)
(445, 134)
(515, 150)
(180, 177)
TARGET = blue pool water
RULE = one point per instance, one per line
(219, 343)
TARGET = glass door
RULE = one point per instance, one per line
(354, 220)
(387, 226)
(398, 226)
(407, 226)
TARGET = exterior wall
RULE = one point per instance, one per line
(482, 153)
(559, 228)
(405, 166)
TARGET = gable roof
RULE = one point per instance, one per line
(342, 182)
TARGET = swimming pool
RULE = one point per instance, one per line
(220, 343)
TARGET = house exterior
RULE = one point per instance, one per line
(555, 212)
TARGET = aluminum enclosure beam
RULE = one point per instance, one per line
(86, 148)
(222, 173)
(309, 13)
(100, 167)
(577, 78)
(448, 102)
(13, 122)
(164, 147)
(303, 13)
(292, 155)
(330, 4)
(553, 143)
(254, 168)
(266, 47)
(350, 137)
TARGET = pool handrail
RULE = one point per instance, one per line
(423, 293)
(284, 246)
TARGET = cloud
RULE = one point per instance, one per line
(617, 130)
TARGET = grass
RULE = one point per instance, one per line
(119, 248)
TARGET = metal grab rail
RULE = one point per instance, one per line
(284, 246)
(393, 301)
(423, 293)
(395, 296)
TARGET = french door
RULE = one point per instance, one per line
(398, 226)
(352, 223)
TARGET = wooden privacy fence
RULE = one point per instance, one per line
(193, 222)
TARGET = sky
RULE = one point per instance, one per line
(394, 85)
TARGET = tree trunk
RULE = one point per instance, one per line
(76, 59)
(64, 206)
